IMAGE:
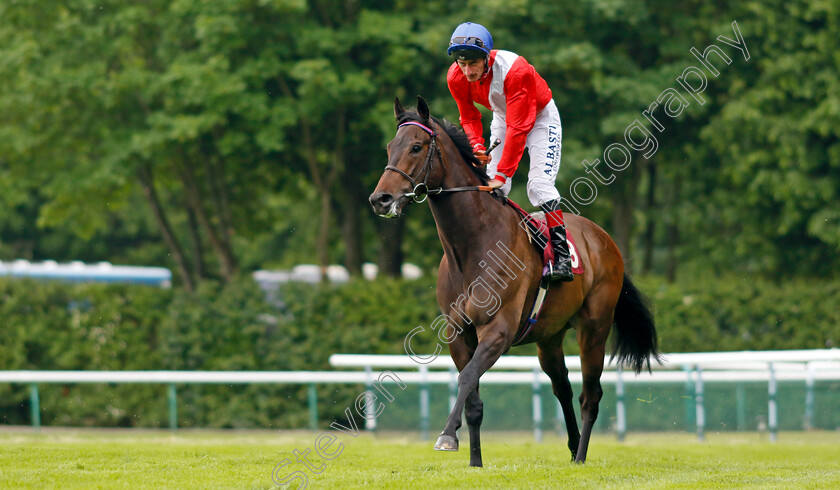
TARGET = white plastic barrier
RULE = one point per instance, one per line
(694, 368)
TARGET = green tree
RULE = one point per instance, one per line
(253, 132)
(167, 98)
(777, 140)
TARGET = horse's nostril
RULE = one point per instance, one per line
(386, 199)
(380, 200)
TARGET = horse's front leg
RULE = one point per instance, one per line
(474, 411)
(492, 342)
(462, 351)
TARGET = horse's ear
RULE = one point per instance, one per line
(398, 108)
(422, 108)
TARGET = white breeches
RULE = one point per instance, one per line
(543, 144)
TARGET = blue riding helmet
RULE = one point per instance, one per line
(470, 41)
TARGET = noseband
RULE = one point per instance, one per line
(421, 190)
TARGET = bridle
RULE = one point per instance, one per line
(421, 190)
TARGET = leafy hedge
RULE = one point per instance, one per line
(52, 326)
(742, 313)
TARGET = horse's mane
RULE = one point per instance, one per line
(458, 136)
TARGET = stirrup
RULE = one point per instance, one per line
(557, 272)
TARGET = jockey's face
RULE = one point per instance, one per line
(472, 69)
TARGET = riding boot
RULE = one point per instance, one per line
(561, 268)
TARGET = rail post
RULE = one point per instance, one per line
(173, 407)
(537, 401)
(370, 408)
(620, 415)
(35, 406)
(772, 415)
(312, 397)
(699, 406)
(424, 402)
(808, 423)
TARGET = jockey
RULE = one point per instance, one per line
(524, 115)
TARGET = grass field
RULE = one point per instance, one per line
(66, 458)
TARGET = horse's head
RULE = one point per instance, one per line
(411, 154)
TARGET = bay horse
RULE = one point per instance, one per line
(432, 158)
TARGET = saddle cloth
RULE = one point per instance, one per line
(537, 229)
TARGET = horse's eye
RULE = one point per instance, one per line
(416, 148)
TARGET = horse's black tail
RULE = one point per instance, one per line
(635, 333)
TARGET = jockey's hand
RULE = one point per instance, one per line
(495, 184)
(481, 154)
(483, 158)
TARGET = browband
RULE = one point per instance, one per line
(421, 126)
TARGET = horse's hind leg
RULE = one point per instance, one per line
(592, 333)
(554, 365)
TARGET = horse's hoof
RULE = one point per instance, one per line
(446, 443)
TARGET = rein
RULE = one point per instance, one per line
(421, 190)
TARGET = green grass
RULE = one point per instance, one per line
(64, 458)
